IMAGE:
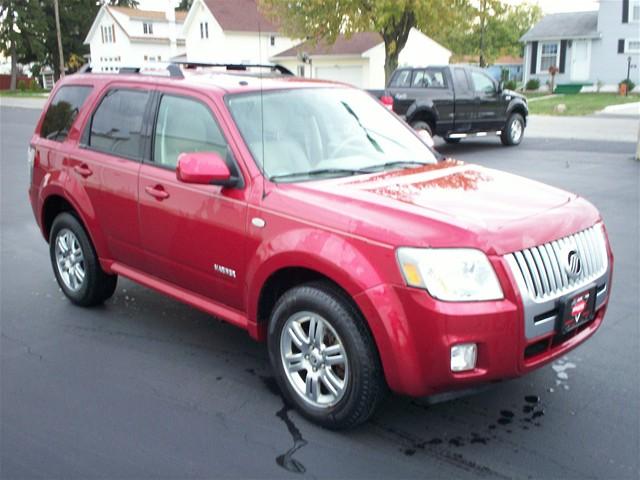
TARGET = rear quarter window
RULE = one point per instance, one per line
(63, 111)
(401, 79)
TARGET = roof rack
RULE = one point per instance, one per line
(241, 67)
(175, 71)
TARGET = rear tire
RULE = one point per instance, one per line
(76, 265)
(324, 356)
(513, 130)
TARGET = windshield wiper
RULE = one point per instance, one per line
(387, 165)
(318, 172)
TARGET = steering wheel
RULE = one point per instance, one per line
(350, 140)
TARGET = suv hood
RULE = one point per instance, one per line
(474, 201)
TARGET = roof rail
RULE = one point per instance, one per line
(242, 67)
(174, 71)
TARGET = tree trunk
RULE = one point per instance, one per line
(58, 34)
(14, 65)
(395, 38)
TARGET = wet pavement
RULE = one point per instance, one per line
(146, 387)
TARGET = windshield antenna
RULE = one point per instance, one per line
(264, 159)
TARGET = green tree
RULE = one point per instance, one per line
(22, 24)
(392, 19)
(493, 28)
(184, 5)
(124, 3)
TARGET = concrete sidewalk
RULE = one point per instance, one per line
(625, 109)
(593, 127)
(23, 102)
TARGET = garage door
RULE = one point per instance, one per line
(347, 74)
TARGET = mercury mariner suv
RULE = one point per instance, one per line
(308, 214)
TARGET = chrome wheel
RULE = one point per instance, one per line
(516, 131)
(69, 259)
(314, 359)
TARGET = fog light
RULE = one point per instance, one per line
(463, 357)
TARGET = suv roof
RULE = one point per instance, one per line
(230, 80)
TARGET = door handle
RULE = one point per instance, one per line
(83, 170)
(157, 192)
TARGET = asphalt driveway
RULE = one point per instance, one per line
(146, 387)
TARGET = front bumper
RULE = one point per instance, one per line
(415, 333)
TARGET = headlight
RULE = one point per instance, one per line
(450, 274)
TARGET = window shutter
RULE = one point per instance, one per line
(102, 33)
(563, 54)
(621, 45)
(113, 31)
(534, 56)
(625, 11)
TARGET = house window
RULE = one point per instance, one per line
(147, 28)
(634, 10)
(108, 33)
(204, 29)
(633, 46)
(548, 56)
(272, 40)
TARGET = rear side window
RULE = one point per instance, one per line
(185, 125)
(401, 79)
(461, 80)
(429, 78)
(117, 124)
(62, 111)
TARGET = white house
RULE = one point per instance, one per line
(128, 37)
(598, 48)
(359, 59)
(231, 31)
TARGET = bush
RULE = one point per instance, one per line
(510, 85)
(629, 83)
(22, 85)
(533, 84)
(34, 85)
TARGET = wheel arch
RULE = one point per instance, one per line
(518, 107)
(424, 113)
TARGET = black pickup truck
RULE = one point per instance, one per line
(455, 102)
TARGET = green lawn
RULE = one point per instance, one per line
(26, 93)
(579, 104)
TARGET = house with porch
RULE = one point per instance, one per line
(595, 49)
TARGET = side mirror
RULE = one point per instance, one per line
(204, 168)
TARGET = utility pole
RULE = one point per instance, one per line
(58, 34)
(483, 8)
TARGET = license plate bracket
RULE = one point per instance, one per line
(577, 309)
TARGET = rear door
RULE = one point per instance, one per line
(489, 109)
(193, 235)
(465, 107)
(108, 163)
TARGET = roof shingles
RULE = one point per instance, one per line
(564, 25)
(357, 44)
(240, 16)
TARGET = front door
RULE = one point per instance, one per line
(580, 60)
(193, 235)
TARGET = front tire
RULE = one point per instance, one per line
(325, 359)
(75, 263)
(513, 130)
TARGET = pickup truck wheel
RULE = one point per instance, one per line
(513, 130)
(420, 125)
(325, 358)
(75, 263)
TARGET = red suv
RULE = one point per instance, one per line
(308, 214)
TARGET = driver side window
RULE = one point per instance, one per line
(185, 125)
(483, 83)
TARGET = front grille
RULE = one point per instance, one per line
(542, 269)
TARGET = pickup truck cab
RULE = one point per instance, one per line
(457, 101)
(309, 215)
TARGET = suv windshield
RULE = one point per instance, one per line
(314, 132)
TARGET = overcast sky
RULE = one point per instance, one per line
(555, 6)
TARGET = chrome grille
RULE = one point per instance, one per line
(542, 269)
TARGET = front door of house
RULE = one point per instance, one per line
(580, 60)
